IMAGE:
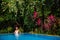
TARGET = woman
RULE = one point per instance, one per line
(16, 32)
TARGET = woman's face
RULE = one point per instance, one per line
(16, 28)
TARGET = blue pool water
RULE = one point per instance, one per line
(28, 37)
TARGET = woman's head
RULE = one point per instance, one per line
(16, 27)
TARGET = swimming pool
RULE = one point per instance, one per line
(27, 36)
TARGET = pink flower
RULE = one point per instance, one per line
(38, 22)
(46, 26)
(51, 18)
(35, 14)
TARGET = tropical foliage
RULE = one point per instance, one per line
(38, 16)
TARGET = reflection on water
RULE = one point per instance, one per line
(17, 36)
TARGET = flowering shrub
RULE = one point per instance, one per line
(35, 15)
(47, 26)
(38, 22)
(50, 22)
(51, 18)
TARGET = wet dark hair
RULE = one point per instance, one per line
(15, 27)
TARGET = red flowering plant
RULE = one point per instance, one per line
(38, 21)
(51, 18)
(35, 15)
(46, 25)
(50, 21)
(36, 18)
